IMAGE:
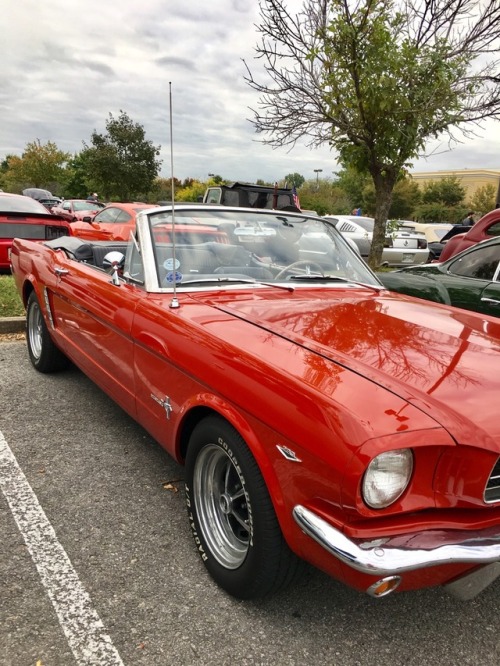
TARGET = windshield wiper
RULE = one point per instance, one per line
(335, 278)
(236, 280)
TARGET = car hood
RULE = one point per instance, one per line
(441, 359)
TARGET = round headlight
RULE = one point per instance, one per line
(386, 478)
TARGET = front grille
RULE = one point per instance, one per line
(492, 490)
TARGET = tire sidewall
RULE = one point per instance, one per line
(242, 582)
(51, 359)
(32, 307)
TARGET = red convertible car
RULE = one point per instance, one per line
(486, 228)
(319, 416)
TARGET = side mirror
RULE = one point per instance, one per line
(114, 262)
(87, 218)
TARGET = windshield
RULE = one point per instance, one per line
(441, 232)
(366, 223)
(87, 205)
(272, 246)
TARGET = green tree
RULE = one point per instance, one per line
(121, 163)
(5, 184)
(437, 211)
(324, 197)
(192, 192)
(76, 184)
(442, 201)
(41, 165)
(294, 179)
(161, 189)
(376, 79)
(447, 191)
(405, 199)
(215, 179)
(354, 185)
(483, 199)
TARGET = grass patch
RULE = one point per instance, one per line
(10, 302)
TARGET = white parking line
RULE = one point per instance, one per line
(82, 626)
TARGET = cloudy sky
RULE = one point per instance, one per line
(67, 64)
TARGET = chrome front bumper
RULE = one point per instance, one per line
(396, 555)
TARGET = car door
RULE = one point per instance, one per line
(472, 279)
(121, 226)
(490, 299)
(101, 227)
(92, 319)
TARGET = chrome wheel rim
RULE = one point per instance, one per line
(222, 506)
(35, 330)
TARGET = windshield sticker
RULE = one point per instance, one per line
(172, 277)
(169, 264)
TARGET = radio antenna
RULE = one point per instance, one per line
(174, 303)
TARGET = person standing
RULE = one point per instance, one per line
(469, 220)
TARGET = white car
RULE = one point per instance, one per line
(402, 248)
(433, 231)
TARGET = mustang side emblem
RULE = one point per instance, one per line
(164, 403)
(288, 453)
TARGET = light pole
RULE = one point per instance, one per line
(317, 172)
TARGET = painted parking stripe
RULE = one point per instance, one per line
(82, 626)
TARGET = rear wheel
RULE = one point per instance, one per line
(231, 514)
(43, 353)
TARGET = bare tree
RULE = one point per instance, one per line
(376, 80)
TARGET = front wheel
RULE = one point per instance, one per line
(43, 353)
(231, 514)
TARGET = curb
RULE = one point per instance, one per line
(12, 324)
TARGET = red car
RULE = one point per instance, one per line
(486, 228)
(114, 222)
(103, 228)
(74, 210)
(24, 217)
(318, 415)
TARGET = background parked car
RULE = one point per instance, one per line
(45, 197)
(433, 231)
(114, 222)
(487, 227)
(469, 280)
(24, 217)
(76, 209)
(402, 247)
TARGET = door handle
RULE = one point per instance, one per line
(493, 301)
(61, 271)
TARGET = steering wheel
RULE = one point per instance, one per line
(299, 264)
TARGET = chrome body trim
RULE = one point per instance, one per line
(395, 555)
(47, 306)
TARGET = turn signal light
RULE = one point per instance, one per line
(384, 586)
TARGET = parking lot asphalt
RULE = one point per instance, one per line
(115, 503)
